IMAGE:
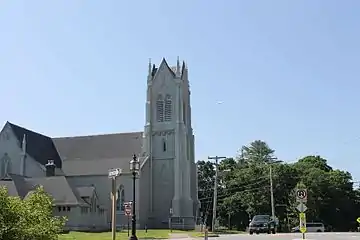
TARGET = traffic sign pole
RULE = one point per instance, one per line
(301, 198)
(302, 217)
(128, 207)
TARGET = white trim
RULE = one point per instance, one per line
(144, 161)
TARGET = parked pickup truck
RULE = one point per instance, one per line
(262, 224)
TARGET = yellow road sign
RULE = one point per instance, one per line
(302, 217)
(358, 219)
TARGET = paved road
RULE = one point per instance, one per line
(293, 236)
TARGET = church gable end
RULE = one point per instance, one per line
(41, 148)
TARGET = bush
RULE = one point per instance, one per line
(28, 219)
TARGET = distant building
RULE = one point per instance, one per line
(74, 170)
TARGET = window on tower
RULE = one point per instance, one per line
(168, 108)
(164, 145)
(160, 108)
(184, 112)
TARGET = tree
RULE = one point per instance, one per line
(331, 197)
(244, 189)
(28, 219)
(257, 152)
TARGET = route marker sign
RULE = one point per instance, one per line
(358, 219)
(301, 207)
(128, 208)
(302, 217)
(301, 195)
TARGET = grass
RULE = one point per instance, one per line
(141, 234)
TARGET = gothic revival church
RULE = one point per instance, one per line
(73, 170)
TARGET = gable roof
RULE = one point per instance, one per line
(40, 147)
(57, 187)
(99, 147)
(97, 167)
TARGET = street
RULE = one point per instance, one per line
(294, 236)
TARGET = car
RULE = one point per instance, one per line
(262, 224)
(311, 227)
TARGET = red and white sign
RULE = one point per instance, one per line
(128, 208)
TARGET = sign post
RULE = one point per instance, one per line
(301, 198)
(302, 217)
(128, 207)
(113, 174)
(170, 219)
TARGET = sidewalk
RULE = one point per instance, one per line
(179, 236)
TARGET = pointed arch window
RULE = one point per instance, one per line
(160, 108)
(5, 166)
(164, 145)
(184, 112)
(120, 199)
(168, 108)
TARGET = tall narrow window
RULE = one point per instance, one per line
(160, 108)
(5, 166)
(164, 145)
(168, 108)
(2, 168)
(120, 199)
(184, 112)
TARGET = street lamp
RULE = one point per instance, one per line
(134, 169)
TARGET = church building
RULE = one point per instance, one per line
(74, 170)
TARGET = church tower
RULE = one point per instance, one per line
(169, 145)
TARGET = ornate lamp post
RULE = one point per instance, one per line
(134, 169)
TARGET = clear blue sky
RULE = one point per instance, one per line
(286, 71)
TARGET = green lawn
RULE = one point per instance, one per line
(141, 234)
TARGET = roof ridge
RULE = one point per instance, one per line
(100, 134)
(18, 126)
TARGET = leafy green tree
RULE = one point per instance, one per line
(244, 189)
(256, 152)
(28, 219)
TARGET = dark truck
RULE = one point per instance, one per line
(262, 224)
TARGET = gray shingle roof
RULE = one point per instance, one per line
(86, 191)
(99, 147)
(96, 154)
(38, 146)
(57, 187)
(96, 167)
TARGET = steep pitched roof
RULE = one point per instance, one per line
(99, 147)
(96, 167)
(163, 63)
(38, 146)
(57, 187)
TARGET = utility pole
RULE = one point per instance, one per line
(216, 158)
(272, 195)
(273, 160)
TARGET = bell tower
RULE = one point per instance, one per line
(168, 141)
